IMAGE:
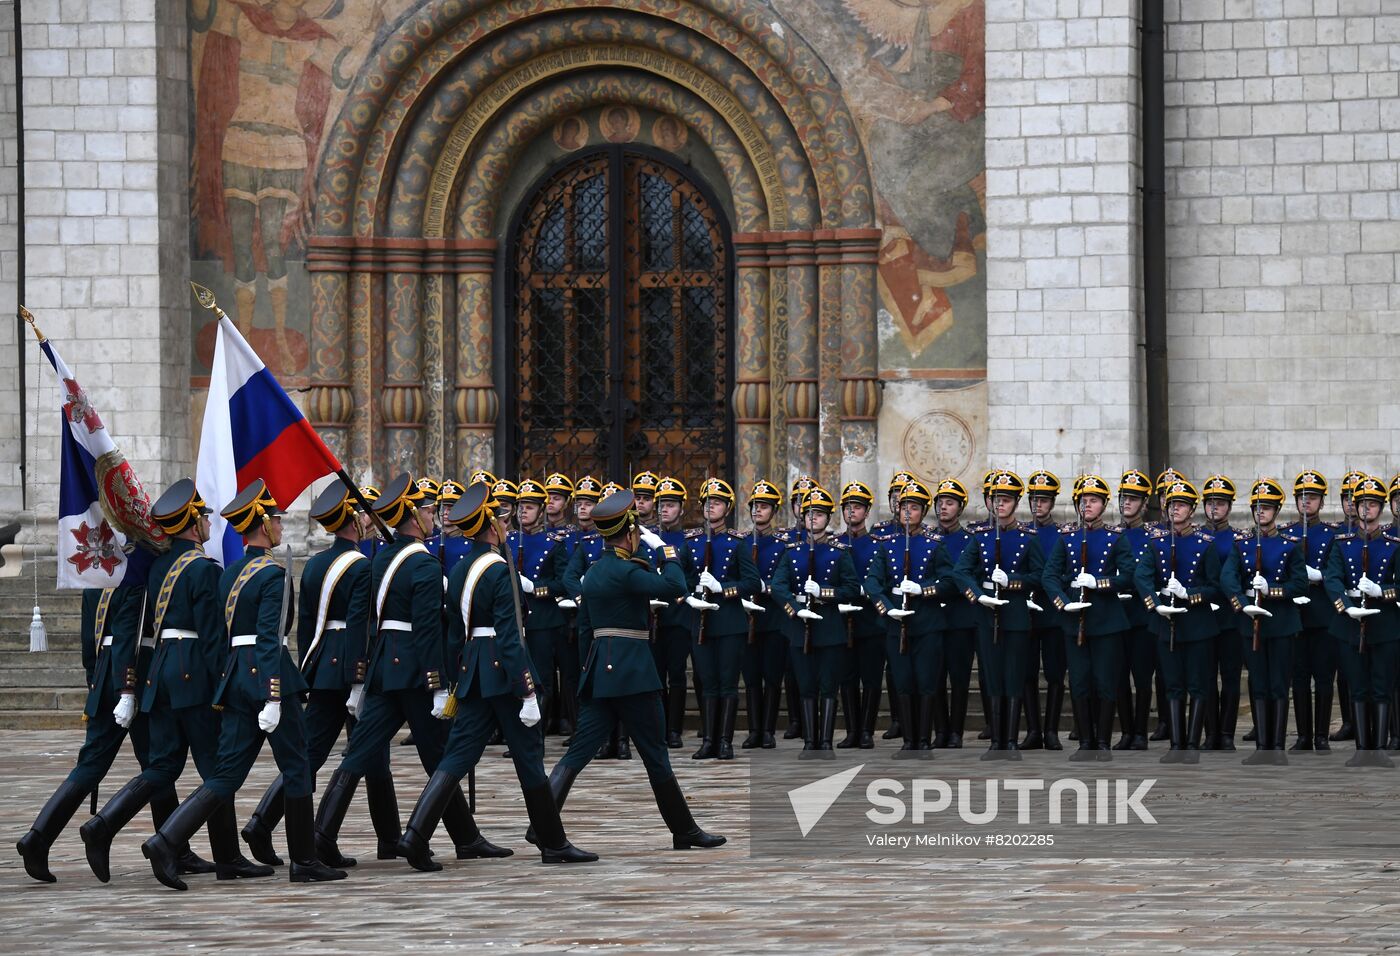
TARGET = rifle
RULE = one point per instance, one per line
(1171, 598)
(1365, 571)
(996, 563)
(700, 592)
(1083, 566)
(904, 598)
(807, 598)
(1258, 570)
(753, 622)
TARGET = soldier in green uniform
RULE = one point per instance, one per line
(332, 627)
(191, 648)
(259, 696)
(404, 682)
(495, 687)
(619, 679)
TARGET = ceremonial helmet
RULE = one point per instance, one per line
(430, 488)
(764, 490)
(897, 481)
(400, 498)
(1349, 481)
(252, 504)
(915, 490)
(451, 491)
(1395, 485)
(1167, 477)
(717, 488)
(670, 489)
(609, 488)
(505, 490)
(1218, 486)
(588, 488)
(333, 507)
(1369, 487)
(615, 513)
(1043, 483)
(800, 486)
(987, 482)
(645, 482)
(530, 490)
(857, 492)
(1310, 480)
(817, 499)
(951, 488)
(1266, 491)
(483, 477)
(179, 507)
(559, 484)
(1007, 483)
(1134, 482)
(1089, 485)
(473, 510)
(1182, 490)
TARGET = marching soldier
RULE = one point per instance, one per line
(725, 577)
(432, 492)
(538, 556)
(259, 696)
(904, 580)
(505, 493)
(1314, 648)
(860, 688)
(1177, 577)
(454, 546)
(960, 620)
(765, 654)
(370, 542)
(671, 646)
(192, 644)
(1135, 682)
(812, 583)
(1047, 644)
(1361, 581)
(404, 680)
(998, 570)
(332, 627)
(1223, 701)
(619, 681)
(495, 686)
(1083, 577)
(1264, 581)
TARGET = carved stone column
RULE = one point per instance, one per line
(752, 391)
(476, 404)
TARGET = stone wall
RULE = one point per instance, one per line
(11, 476)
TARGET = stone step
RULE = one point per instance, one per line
(40, 720)
(70, 699)
(41, 677)
(65, 641)
(60, 657)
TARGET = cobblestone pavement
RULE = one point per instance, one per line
(646, 896)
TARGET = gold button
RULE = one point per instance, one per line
(464, 667)
(187, 677)
(148, 682)
(495, 663)
(252, 670)
(609, 667)
(332, 660)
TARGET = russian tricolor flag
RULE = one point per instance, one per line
(252, 429)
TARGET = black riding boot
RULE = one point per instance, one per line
(1322, 718)
(709, 718)
(1212, 705)
(301, 845)
(1263, 746)
(811, 734)
(728, 713)
(957, 717)
(99, 831)
(870, 713)
(1195, 724)
(1303, 715)
(685, 833)
(895, 731)
(384, 814)
(1347, 731)
(34, 845)
(413, 844)
(1030, 700)
(675, 715)
(1103, 728)
(1054, 704)
(905, 707)
(1011, 719)
(229, 861)
(561, 780)
(1361, 727)
(330, 815)
(993, 729)
(163, 849)
(163, 803)
(753, 705)
(850, 711)
(795, 726)
(772, 702)
(1229, 717)
(549, 830)
(1142, 713)
(457, 820)
(1278, 717)
(987, 706)
(828, 725)
(257, 832)
(940, 719)
(928, 707)
(1163, 731)
(1126, 714)
(1176, 725)
(1393, 705)
(1088, 742)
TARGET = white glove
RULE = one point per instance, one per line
(812, 588)
(1176, 587)
(999, 577)
(356, 701)
(911, 588)
(700, 605)
(1300, 601)
(567, 604)
(1260, 583)
(900, 614)
(270, 716)
(751, 607)
(710, 583)
(1254, 610)
(125, 711)
(527, 585)
(1314, 575)
(657, 604)
(1214, 607)
(1368, 587)
(1357, 613)
(1125, 597)
(439, 703)
(530, 711)
(652, 540)
(1032, 606)
(1167, 611)
(1074, 607)
(848, 608)
(986, 600)
(1084, 580)
(807, 615)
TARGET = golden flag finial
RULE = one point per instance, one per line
(206, 299)
(29, 317)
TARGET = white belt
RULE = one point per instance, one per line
(145, 641)
(482, 632)
(395, 626)
(178, 634)
(248, 640)
(637, 634)
(335, 625)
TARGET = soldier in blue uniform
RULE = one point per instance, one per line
(538, 554)
(973, 528)
(960, 620)
(1047, 645)
(1083, 578)
(1162, 731)
(619, 681)
(454, 546)
(404, 681)
(370, 542)
(1223, 701)
(332, 630)
(812, 583)
(495, 687)
(192, 644)
(644, 494)
(1178, 577)
(725, 577)
(506, 494)
(1361, 581)
(860, 689)
(998, 570)
(904, 580)
(671, 645)
(765, 654)
(797, 490)
(1314, 648)
(888, 527)
(259, 695)
(1393, 530)
(1264, 584)
(1347, 729)
(1135, 682)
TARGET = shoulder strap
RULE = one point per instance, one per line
(334, 573)
(474, 574)
(100, 619)
(167, 584)
(394, 565)
(251, 568)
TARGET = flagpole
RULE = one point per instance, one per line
(38, 635)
